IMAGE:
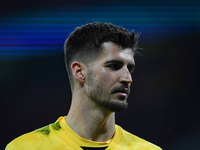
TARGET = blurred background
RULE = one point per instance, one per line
(164, 100)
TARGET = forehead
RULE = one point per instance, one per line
(111, 51)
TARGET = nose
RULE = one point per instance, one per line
(126, 76)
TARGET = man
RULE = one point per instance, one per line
(99, 60)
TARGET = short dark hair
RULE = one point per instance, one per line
(85, 42)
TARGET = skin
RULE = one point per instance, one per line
(100, 91)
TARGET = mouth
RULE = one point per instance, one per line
(122, 93)
(121, 90)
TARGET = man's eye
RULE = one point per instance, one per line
(114, 66)
(130, 69)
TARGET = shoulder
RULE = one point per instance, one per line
(29, 140)
(35, 139)
(134, 140)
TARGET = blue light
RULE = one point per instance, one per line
(44, 32)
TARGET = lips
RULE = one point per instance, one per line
(121, 91)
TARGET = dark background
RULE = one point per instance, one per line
(164, 102)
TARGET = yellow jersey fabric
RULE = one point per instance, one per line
(59, 136)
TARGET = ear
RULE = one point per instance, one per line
(78, 71)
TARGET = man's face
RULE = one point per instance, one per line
(109, 79)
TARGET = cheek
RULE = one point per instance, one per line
(106, 80)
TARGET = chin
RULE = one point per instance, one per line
(116, 105)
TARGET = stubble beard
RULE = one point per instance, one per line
(102, 97)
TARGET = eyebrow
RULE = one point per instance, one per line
(119, 62)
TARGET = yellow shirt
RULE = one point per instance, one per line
(59, 136)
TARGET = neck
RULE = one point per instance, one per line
(89, 121)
